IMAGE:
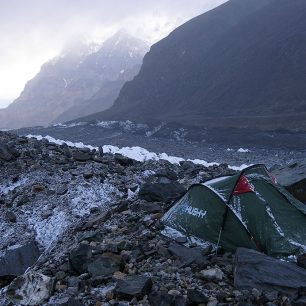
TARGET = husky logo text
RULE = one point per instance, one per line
(196, 212)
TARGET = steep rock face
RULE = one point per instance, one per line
(241, 64)
(80, 73)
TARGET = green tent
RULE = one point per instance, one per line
(249, 209)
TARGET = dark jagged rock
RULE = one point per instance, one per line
(301, 261)
(11, 216)
(293, 177)
(133, 286)
(164, 299)
(79, 258)
(81, 156)
(123, 160)
(106, 265)
(256, 270)
(5, 153)
(18, 258)
(187, 255)
(196, 297)
(161, 192)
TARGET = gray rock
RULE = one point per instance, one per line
(87, 175)
(82, 156)
(196, 297)
(293, 177)
(5, 153)
(301, 261)
(20, 201)
(106, 265)
(62, 189)
(133, 286)
(147, 207)
(164, 299)
(11, 216)
(271, 295)
(181, 240)
(59, 275)
(186, 255)
(74, 281)
(300, 301)
(46, 214)
(123, 160)
(256, 270)
(30, 289)
(213, 274)
(66, 301)
(18, 258)
(161, 192)
(79, 258)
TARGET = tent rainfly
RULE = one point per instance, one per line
(249, 210)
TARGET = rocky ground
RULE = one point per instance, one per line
(88, 225)
(211, 145)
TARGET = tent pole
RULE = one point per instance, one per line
(219, 238)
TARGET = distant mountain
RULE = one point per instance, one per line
(241, 64)
(82, 80)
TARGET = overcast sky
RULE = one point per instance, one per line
(33, 31)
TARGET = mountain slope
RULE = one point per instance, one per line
(65, 83)
(241, 64)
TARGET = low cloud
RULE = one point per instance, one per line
(33, 31)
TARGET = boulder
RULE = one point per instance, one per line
(165, 299)
(161, 192)
(106, 265)
(79, 258)
(146, 206)
(213, 274)
(5, 153)
(186, 255)
(30, 289)
(293, 177)
(133, 286)
(301, 261)
(123, 160)
(18, 258)
(256, 270)
(196, 297)
(82, 156)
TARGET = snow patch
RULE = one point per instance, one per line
(86, 197)
(61, 142)
(239, 168)
(50, 229)
(127, 125)
(61, 125)
(216, 180)
(6, 188)
(173, 234)
(241, 150)
(136, 153)
(80, 199)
